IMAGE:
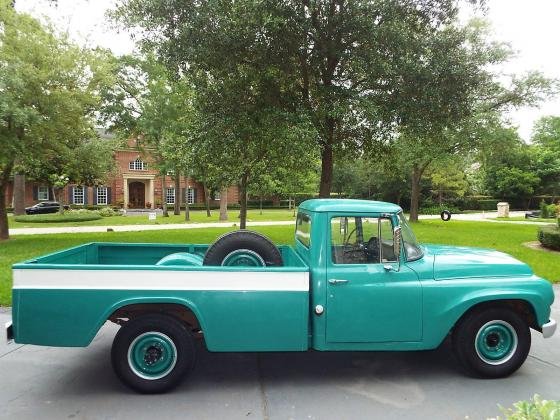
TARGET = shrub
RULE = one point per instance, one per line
(473, 202)
(548, 210)
(552, 210)
(549, 237)
(488, 205)
(544, 209)
(536, 408)
(71, 216)
(438, 209)
(108, 212)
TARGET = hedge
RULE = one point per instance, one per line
(549, 237)
(58, 218)
(438, 209)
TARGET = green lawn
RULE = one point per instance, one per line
(522, 219)
(505, 237)
(197, 216)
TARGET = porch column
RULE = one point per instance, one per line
(125, 192)
(151, 197)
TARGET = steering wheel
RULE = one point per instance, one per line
(347, 242)
(372, 249)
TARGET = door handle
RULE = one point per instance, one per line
(337, 281)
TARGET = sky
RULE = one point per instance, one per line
(529, 26)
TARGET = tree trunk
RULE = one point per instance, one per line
(326, 171)
(223, 204)
(206, 199)
(19, 194)
(243, 202)
(177, 205)
(261, 200)
(415, 195)
(4, 231)
(60, 203)
(163, 197)
(187, 207)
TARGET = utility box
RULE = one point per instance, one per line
(503, 209)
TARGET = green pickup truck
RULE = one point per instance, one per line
(355, 279)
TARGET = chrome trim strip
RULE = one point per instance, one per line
(549, 328)
(9, 332)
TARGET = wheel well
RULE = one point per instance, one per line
(183, 314)
(521, 307)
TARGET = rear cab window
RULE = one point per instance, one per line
(303, 229)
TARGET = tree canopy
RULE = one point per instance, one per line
(49, 93)
(353, 68)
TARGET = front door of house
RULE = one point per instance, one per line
(136, 195)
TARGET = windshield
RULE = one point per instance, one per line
(411, 246)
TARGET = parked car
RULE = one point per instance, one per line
(44, 207)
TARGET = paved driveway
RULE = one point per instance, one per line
(45, 382)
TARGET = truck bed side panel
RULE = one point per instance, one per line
(238, 311)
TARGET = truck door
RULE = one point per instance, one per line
(368, 300)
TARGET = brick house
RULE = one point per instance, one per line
(135, 184)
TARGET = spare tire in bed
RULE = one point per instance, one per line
(243, 248)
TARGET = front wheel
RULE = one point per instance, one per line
(492, 343)
(152, 353)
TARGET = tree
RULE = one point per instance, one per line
(49, 92)
(147, 104)
(508, 165)
(351, 67)
(479, 98)
(448, 179)
(546, 154)
(546, 132)
(241, 139)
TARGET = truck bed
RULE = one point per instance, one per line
(130, 254)
(62, 299)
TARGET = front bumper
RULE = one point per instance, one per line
(549, 328)
(9, 332)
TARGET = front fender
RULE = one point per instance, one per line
(445, 302)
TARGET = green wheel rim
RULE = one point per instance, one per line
(243, 258)
(496, 342)
(152, 355)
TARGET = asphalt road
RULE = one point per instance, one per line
(78, 383)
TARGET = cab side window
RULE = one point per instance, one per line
(361, 240)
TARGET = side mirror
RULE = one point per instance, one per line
(397, 239)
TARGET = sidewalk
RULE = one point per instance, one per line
(489, 216)
(479, 217)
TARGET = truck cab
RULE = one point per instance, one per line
(374, 287)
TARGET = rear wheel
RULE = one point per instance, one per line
(492, 343)
(153, 353)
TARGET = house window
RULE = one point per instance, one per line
(170, 196)
(216, 196)
(190, 195)
(78, 195)
(102, 196)
(42, 193)
(138, 165)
